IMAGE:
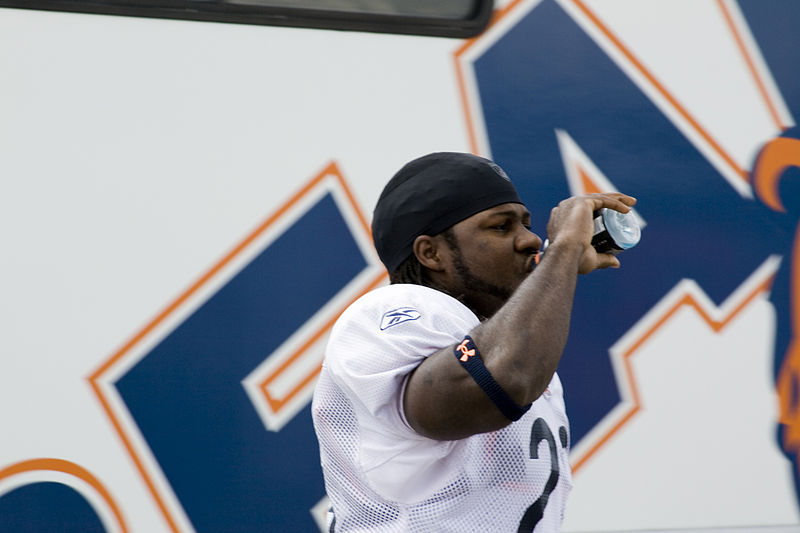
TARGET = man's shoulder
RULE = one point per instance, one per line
(402, 308)
(410, 291)
(403, 301)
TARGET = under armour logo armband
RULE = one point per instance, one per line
(467, 354)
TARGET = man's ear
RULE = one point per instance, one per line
(427, 251)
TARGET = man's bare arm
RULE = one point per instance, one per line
(522, 343)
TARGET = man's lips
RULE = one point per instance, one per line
(531, 262)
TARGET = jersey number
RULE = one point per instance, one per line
(539, 432)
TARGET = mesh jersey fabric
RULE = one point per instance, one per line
(381, 476)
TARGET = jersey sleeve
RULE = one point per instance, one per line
(373, 348)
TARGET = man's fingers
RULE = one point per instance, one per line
(613, 200)
(594, 261)
(608, 261)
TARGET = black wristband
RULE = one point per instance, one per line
(467, 354)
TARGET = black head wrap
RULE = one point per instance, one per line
(430, 194)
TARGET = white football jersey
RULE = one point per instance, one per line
(381, 476)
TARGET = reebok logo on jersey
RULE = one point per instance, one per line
(466, 352)
(398, 316)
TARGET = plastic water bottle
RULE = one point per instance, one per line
(615, 231)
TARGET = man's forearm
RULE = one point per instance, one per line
(522, 343)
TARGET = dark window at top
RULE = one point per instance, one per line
(449, 18)
(442, 9)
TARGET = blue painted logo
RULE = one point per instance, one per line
(220, 399)
(555, 78)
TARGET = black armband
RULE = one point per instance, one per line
(467, 354)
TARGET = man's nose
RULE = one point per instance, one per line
(527, 241)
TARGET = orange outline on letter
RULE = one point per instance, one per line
(73, 469)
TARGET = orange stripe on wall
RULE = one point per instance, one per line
(73, 469)
(95, 377)
(589, 187)
(472, 137)
(748, 59)
(660, 89)
(715, 325)
(276, 404)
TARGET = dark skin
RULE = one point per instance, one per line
(491, 271)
